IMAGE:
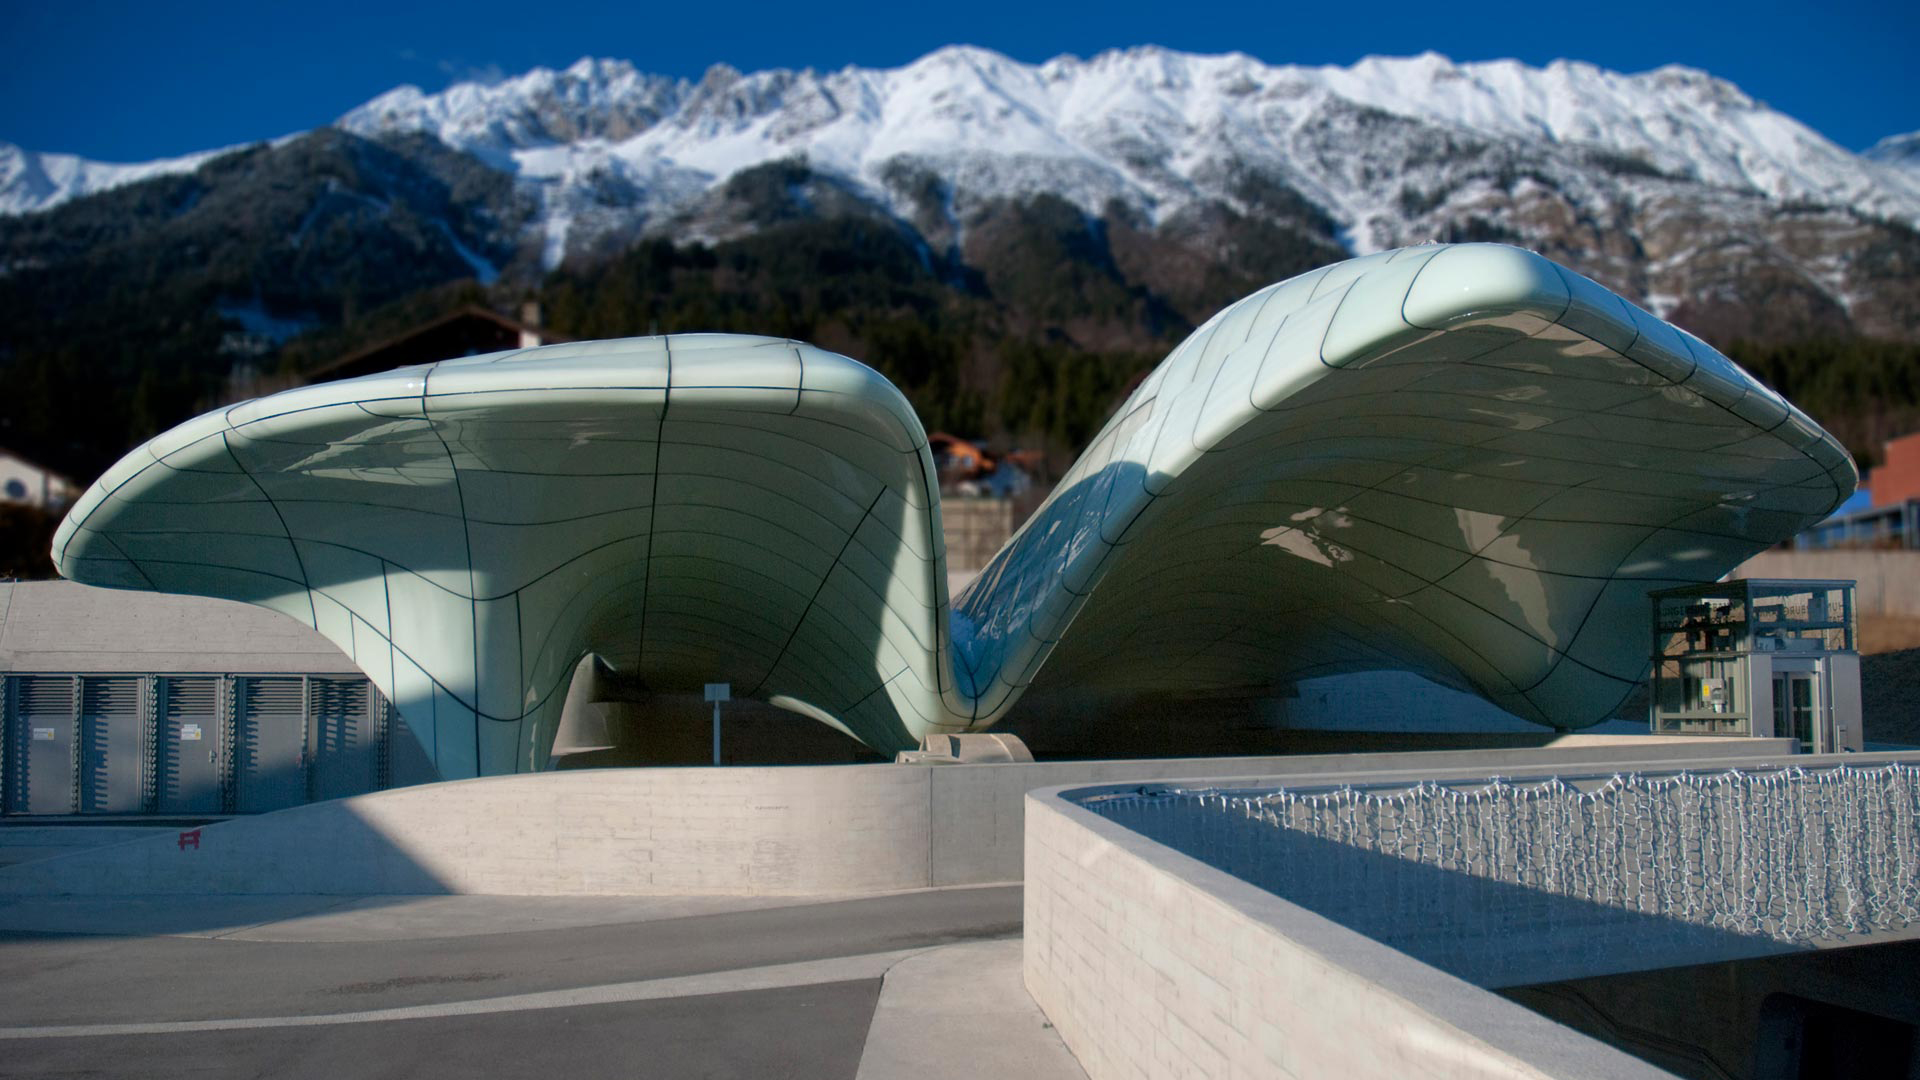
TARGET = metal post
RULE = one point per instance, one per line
(382, 737)
(228, 754)
(76, 756)
(150, 744)
(310, 736)
(6, 744)
(718, 692)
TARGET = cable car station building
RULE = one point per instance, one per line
(1464, 462)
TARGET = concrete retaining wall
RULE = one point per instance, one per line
(25, 843)
(1151, 964)
(805, 830)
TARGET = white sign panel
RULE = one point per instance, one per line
(43, 734)
(189, 732)
(719, 691)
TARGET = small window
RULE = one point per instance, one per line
(16, 488)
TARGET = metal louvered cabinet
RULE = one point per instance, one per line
(346, 742)
(270, 744)
(41, 757)
(112, 745)
(187, 760)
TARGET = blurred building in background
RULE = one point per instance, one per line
(22, 481)
(983, 499)
(1884, 513)
(468, 331)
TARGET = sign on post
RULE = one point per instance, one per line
(718, 692)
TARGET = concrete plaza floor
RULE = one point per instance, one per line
(922, 984)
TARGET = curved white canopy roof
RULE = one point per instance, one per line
(1463, 461)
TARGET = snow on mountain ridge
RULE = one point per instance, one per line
(31, 180)
(1901, 151)
(1157, 129)
(1131, 124)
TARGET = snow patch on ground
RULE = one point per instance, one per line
(483, 270)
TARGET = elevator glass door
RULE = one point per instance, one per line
(1797, 711)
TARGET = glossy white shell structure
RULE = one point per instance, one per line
(1462, 461)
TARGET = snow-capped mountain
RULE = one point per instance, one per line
(1672, 186)
(1143, 125)
(1152, 128)
(32, 181)
(1898, 150)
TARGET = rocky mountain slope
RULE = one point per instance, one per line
(142, 300)
(1672, 186)
(1011, 242)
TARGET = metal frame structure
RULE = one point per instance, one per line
(153, 751)
(1746, 641)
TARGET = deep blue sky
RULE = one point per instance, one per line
(127, 82)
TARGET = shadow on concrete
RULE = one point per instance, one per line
(1490, 933)
(206, 877)
(1831, 1012)
(677, 729)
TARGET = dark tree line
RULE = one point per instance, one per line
(1863, 391)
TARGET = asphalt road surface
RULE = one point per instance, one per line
(778, 992)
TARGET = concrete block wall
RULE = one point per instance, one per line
(25, 843)
(761, 831)
(1152, 965)
(742, 830)
(976, 529)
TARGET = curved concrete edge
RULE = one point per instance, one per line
(1152, 964)
(960, 1012)
(828, 830)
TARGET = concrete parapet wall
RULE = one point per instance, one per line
(1151, 964)
(787, 831)
(25, 843)
(978, 816)
(795, 831)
